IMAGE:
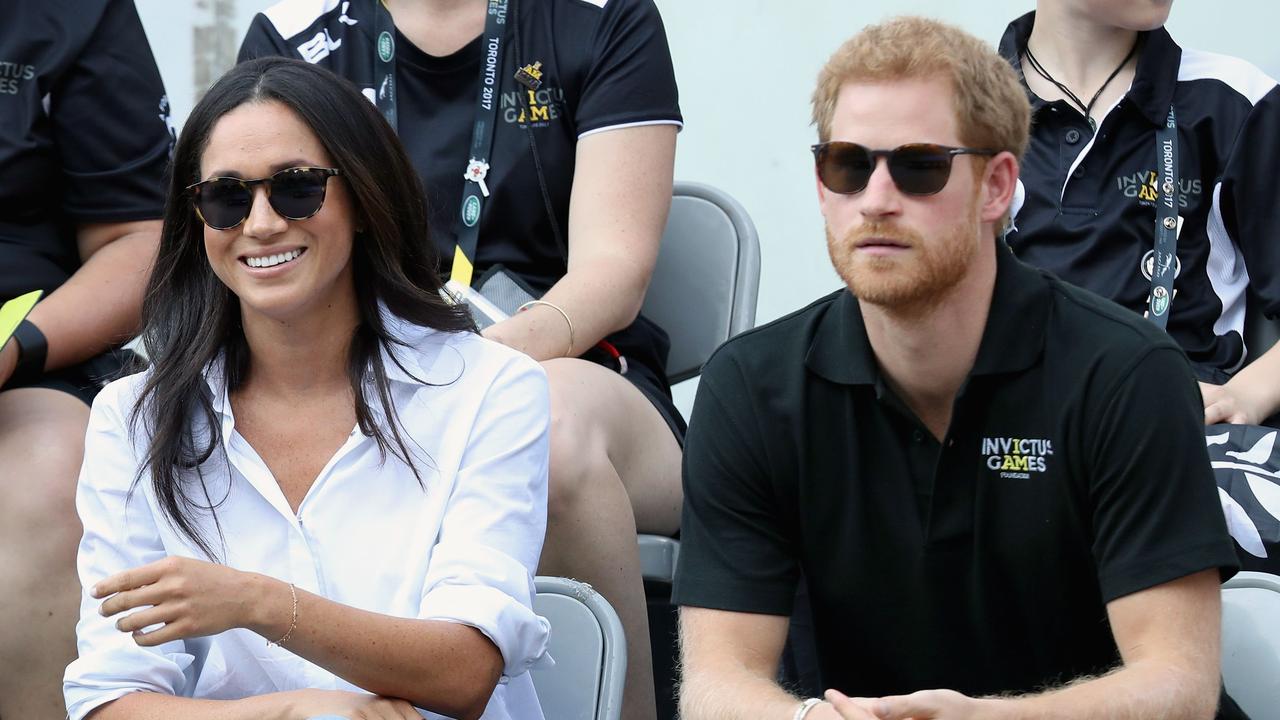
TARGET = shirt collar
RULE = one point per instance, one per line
(1012, 43)
(1154, 81)
(1012, 341)
(1159, 59)
(417, 362)
(215, 378)
(840, 351)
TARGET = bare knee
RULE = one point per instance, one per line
(41, 458)
(581, 457)
(578, 458)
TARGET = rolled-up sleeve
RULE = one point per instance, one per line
(482, 566)
(119, 533)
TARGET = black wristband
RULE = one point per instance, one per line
(32, 350)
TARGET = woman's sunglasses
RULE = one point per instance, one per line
(917, 169)
(295, 193)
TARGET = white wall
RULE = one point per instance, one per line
(746, 69)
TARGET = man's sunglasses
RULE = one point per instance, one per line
(917, 169)
(295, 193)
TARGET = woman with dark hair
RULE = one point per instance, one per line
(544, 132)
(328, 493)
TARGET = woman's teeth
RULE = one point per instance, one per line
(272, 260)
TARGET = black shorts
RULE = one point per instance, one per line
(649, 382)
(86, 379)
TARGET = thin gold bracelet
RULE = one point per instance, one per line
(293, 624)
(558, 309)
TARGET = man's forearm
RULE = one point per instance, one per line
(738, 695)
(1135, 692)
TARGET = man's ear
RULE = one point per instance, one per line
(999, 182)
(822, 188)
(822, 192)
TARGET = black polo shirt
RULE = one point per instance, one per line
(84, 132)
(1074, 472)
(1086, 205)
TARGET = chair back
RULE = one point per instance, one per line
(589, 649)
(1251, 642)
(707, 277)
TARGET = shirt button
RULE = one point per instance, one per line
(1073, 136)
(917, 436)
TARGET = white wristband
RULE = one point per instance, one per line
(805, 707)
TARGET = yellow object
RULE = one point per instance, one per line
(14, 312)
(461, 272)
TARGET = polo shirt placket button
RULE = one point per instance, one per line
(1073, 136)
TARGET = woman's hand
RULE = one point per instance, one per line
(306, 704)
(189, 598)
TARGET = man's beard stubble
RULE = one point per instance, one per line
(916, 282)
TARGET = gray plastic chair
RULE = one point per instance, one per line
(703, 292)
(1251, 643)
(704, 286)
(589, 648)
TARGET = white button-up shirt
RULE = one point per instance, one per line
(464, 549)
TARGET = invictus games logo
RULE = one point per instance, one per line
(13, 75)
(1016, 457)
(1144, 187)
(536, 107)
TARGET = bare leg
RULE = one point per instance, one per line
(41, 447)
(614, 466)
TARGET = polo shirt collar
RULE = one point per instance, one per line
(1154, 81)
(1157, 76)
(1012, 341)
(1012, 43)
(840, 351)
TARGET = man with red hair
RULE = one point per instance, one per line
(994, 483)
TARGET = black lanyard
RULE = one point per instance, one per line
(474, 189)
(384, 63)
(1165, 256)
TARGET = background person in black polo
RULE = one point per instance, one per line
(84, 140)
(994, 482)
(1087, 207)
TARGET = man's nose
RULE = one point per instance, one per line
(881, 196)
